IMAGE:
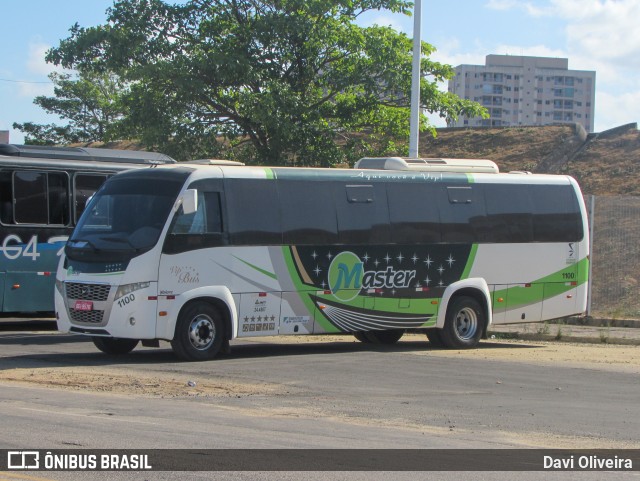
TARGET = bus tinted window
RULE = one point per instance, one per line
(6, 197)
(40, 198)
(85, 186)
(254, 213)
(308, 212)
(509, 212)
(198, 230)
(557, 214)
(58, 198)
(462, 215)
(30, 191)
(413, 208)
(363, 215)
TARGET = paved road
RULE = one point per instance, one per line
(326, 394)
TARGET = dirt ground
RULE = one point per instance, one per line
(136, 381)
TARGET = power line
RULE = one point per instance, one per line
(24, 81)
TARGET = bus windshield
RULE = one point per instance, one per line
(123, 220)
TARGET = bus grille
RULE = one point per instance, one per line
(87, 317)
(87, 292)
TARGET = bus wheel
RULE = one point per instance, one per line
(113, 345)
(435, 337)
(464, 323)
(199, 333)
(390, 336)
(362, 337)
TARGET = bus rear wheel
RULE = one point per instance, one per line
(114, 345)
(199, 333)
(464, 323)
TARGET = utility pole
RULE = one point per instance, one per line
(414, 125)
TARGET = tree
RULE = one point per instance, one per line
(49, 134)
(90, 101)
(275, 81)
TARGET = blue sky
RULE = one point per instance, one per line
(600, 35)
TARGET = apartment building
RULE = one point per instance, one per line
(520, 90)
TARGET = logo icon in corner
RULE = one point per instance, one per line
(23, 460)
(345, 276)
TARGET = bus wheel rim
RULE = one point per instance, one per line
(202, 332)
(466, 323)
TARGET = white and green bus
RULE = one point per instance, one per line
(200, 255)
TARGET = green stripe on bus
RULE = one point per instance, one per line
(262, 271)
(303, 291)
(470, 261)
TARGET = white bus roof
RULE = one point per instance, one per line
(428, 165)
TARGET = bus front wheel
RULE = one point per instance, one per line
(464, 323)
(113, 345)
(199, 333)
(362, 337)
(435, 337)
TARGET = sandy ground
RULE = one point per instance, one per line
(157, 384)
(136, 382)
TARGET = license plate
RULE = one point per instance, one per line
(84, 306)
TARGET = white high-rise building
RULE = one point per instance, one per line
(519, 90)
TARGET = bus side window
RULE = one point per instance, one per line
(85, 185)
(58, 191)
(509, 209)
(557, 214)
(413, 209)
(6, 198)
(463, 215)
(198, 230)
(30, 190)
(363, 214)
(254, 212)
(308, 212)
(41, 197)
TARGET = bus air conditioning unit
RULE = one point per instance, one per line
(428, 165)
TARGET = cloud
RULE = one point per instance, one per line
(36, 65)
(616, 109)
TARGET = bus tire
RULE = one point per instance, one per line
(199, 333)
(464, 323)
(388, 337)
(362, 337)
(435, 337)
(114, 345)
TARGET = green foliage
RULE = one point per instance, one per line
(89, 101)
(51, 134)
(274, 81)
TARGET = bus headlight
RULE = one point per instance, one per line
(125, 289)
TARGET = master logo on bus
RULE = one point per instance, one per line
(347, 277)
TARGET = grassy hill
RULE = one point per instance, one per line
(606, 163)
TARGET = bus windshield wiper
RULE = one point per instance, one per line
(120, 240)
(86, 241)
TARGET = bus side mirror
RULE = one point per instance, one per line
(190, 201)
